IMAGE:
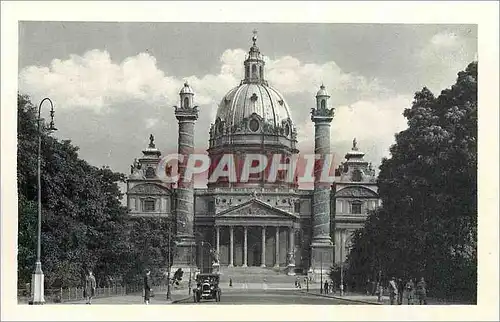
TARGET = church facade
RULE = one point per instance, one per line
(255, 222)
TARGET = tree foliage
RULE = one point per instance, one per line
(84, 225)
(428, 223)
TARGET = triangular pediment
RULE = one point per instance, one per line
(255, 208)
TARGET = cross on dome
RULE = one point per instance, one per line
(254, 38)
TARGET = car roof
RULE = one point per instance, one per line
(208, 275)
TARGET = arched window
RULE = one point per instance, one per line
(254, 71)
(247, 72)
(261, 72)
(186, 102)
(323, 103)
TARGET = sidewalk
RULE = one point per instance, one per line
(267, 286)
(136, 298)
(369, 299)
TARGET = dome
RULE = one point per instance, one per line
(322, 91)
(186, 89)
(244, 100)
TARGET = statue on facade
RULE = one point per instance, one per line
(354, 145)
(151, 141)
(215, 254)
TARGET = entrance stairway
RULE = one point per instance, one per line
(256, 275)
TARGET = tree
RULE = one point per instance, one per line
(82, 216)
(428, 223)
(149, 247)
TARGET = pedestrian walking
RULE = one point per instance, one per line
(422, 291)
(410, 291)
(401, 288)
(368, 287)
(393, 290)
(325, 287)
(379, 291)
(147, 287)
(90, 286)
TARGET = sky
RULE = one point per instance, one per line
(114, 84)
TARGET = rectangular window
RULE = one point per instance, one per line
(356, 207)
(211, 206)
(297, 207)
(149, 205)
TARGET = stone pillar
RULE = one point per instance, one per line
(291, 251)
(245, 250)
(186, 114)
(263, 254)
(277, 239)
(321, 244)
(217, 240)
(231, 246)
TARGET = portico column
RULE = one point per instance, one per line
(263, 254)
(291, 251)
(245, 251)
(277, 238)
(291, 236)
(231, 246)
(218, 241)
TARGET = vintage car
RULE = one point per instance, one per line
(207, 288)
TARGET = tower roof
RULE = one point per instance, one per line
(253, 95)
(322, 91)
(186, 89)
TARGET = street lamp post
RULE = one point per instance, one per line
(321, 273)
(342, 266)
(169, 264)
(37, 278)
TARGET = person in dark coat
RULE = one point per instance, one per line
(401, 288)
(147, 287)
(90, 286)
(325, 287)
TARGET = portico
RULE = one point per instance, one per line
(257, 226)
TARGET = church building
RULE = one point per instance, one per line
(258, 223)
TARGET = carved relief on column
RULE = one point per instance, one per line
(245, 244)
(231, 246)
(218, 244)
(263, 254)
(277, 254)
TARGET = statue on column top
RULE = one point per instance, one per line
(151, 141)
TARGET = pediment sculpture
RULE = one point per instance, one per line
(149, 189)
(356, 192)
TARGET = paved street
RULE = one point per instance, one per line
(229, 296)
(272, 297)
